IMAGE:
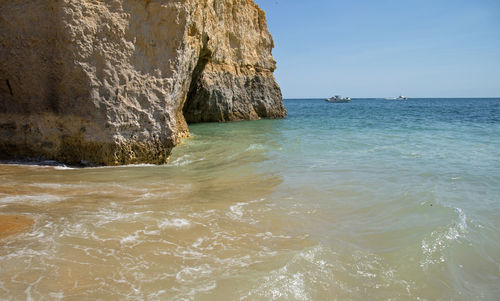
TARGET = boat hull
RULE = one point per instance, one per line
(337, 101)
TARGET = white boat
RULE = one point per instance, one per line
(338, 99)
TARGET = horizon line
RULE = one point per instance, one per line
(432, 97)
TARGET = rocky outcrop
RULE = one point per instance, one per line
(115, 81)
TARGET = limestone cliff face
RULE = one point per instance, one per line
(114, 81)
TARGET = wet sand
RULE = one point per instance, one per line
(14, 224)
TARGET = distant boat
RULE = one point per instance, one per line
(401, 97)
(338, 99)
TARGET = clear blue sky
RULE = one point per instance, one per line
(383, 48)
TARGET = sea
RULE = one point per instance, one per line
(369, 200)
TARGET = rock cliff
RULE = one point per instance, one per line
(115, 81)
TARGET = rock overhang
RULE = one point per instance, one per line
(114, 82)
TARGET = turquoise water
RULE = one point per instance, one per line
(373, 199)
(416, 183)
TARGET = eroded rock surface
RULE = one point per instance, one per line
(114, 82)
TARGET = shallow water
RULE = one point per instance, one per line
(374, 199)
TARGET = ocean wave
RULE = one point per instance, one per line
(64, 167)
(439, 240)
(291, 282)
(184, 160)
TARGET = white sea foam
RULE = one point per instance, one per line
(122, 166)
(184, 160)
(151, 232)
(57, 296)
(137, 165)
(129, 239)
(32, 199)
(74, 230)
(459, 228)
(281, 285)
(174, 223)
(255, 146)
(63, 167)
(236, 211)
(190, 294)
(38, 164)
(198, 242)
(440, 239)
(190, 274)
(290, 281)
(58, 186)
(108, 216)
(243, 211)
